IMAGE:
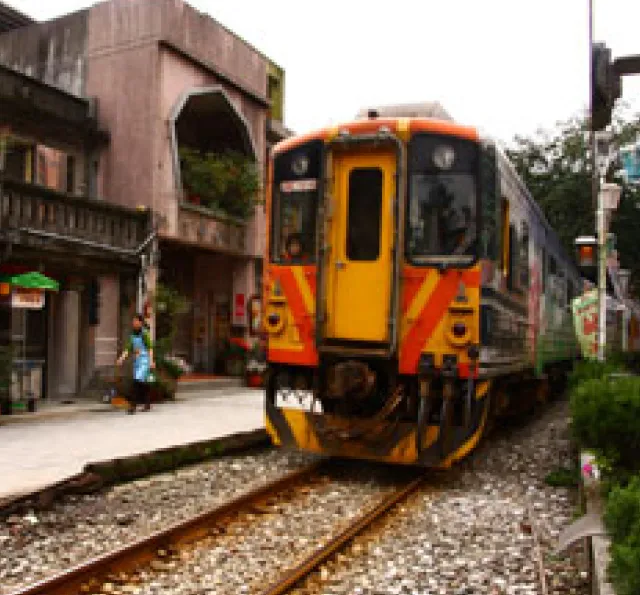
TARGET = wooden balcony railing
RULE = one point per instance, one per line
(29, 210)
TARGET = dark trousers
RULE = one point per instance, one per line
(141, 394)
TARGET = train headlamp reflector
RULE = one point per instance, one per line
(443, 157)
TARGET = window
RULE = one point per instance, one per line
(512, 264)
(524, 256)
(506, 238)
(364, 214)
(294, 225)
(442, 222)
(71, 174)
(490, 238)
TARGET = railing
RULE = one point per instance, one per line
(204, 227)
(36, 210)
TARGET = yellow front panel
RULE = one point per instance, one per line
(361, 234)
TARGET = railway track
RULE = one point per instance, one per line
(115, 570)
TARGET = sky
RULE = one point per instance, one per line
(507, 66)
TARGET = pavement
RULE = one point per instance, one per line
(56, 442)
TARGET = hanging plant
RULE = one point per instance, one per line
(227, 182)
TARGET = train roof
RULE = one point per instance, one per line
(401, 126)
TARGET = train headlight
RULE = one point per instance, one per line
(459, 330)
(459, 333)
(443, 157)
(274, 320)
(300, 165)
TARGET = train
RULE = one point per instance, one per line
(413, 290)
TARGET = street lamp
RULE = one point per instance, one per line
(608, 201)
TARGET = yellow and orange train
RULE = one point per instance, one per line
(410, 282)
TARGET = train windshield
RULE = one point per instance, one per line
(442, 216)
(294, 222)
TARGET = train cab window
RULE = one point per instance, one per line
(364, 216)
(442, 217)
(294, 224)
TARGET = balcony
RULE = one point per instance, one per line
(206, 229)
(36, 217)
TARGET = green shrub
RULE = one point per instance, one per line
(622, 518)
(563, 477)
(591, 370)
(605, 414)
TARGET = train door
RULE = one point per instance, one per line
(360, 267)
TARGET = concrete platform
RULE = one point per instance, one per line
(53, 448)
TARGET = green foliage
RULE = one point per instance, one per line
(169, 305)
(563, 477)
(605, 414)
(6, 359)
(556, 167)
(227, 182)
(591, 370)
(622, 518)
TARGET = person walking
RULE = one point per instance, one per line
(139, 344)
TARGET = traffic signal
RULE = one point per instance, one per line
(606, 86)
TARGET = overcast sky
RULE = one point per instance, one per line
(508, 66)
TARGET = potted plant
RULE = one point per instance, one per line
(227, 182)
(236, 356)
(169, 306)
(256, 366)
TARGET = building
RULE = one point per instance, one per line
(160, 76)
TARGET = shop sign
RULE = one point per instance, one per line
(585, 318)
(239, 310)
(29, 299)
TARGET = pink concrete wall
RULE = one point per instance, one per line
(177, 77)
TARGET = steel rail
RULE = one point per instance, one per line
(295, 575)
(132, 556)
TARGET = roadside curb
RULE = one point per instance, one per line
(98, 475)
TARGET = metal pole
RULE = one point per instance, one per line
(592, 135)
(602, 278)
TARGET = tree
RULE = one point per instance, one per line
(556, 167)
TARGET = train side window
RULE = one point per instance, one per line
(524, 256)
(513, 264)
(364, 217)
(490, 206)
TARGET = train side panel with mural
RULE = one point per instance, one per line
(411, 283)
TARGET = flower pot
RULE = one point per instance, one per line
(254, 380)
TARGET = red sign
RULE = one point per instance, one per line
(239, 309)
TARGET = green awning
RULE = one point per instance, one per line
(32, 280)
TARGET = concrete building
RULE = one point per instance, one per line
(158, 75)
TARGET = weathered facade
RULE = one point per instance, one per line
(51, 220)
(161, 76)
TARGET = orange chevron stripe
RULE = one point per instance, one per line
(413, 280)
(301, 316)
(430, 316)
(310, 276)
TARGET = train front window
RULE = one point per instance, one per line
(442, 222)
(294, 224)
